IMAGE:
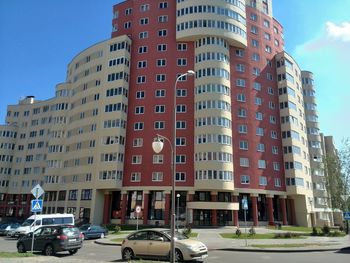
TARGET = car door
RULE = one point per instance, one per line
(139, 243)
(39, 238)
(159, 245)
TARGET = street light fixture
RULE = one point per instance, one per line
(157, 146)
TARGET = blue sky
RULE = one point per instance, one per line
(38, 38)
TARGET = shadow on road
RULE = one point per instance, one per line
(344, 250)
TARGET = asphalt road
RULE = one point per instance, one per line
(92, 252)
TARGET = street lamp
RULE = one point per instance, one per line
(157, 146)
(178, 209)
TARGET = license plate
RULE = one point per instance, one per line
(205, 256)
(72, 240)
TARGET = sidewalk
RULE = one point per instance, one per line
(211, 237)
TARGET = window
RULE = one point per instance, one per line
(159, 125)
(160, 77)
(135, 177)
(160, 93)
(159, 109)
(243, 145)
(258, 116)
(242, 113)
(241, 97)
(181, 61)
(180, 124)
(239, 52)
(163, 19)
(142, 64)
(143, 35)
(157, 176)
(162, 33)
(261, 164)
(278, 182)
(240, 83)
(144, 8)
(162, 47)
(242, 128)
(137, 142)
(260, 147)
(274, 150)
(161, 62)
(244, 162)
(139, 110)
(276, 166)
(180, 176)
(144, 21)
(138, 126)
(262, 180)
(259, 131)
(163, 5)
(245, 179)
(136, 159)
(72, 194)
(158, 158)
(142, 49)
(140, 94)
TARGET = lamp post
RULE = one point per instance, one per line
(178, 213)
(157, 146)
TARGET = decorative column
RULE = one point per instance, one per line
(167, 211)
(292, 208)
(214, 198)
(123, 207)
(145, 207)
(284, 209)
(270, 209)
(254, 199)
(235, 212)
(107, 207)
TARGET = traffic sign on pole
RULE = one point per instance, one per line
(346, 215)
(37, 191)
(37, 205)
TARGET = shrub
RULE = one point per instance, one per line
(187, 231)
(110, 227)
(314, 231)
(326, 230)
(336, 233)
(117, 229)
(238, 232)
(252, 231)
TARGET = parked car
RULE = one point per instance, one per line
(93, 231)
(10, 228)
(3, 228)
(52, 239)
(156, 243)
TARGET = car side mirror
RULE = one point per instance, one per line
(30, 234)
(89, 229)
(160, 239)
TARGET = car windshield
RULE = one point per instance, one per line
(84, 227)
(178, 235)
(28, 222)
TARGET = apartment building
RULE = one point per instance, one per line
(246, 123)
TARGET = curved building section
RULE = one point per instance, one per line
(213, 124)
(294, 137)
(321, 213)
(223, 19)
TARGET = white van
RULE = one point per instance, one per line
(41, 220)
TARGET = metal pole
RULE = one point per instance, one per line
(33, 231)
(245, 229)
(178, 213)
(137, 221)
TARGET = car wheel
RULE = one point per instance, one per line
(21, 248)
(178, 255)
(73, 251)
(102, 235)
(49, 251)
(127, 254)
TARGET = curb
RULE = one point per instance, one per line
(250, 249)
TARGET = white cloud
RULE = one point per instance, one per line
(341, 31)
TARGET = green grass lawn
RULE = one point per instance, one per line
(256, 236)
(15, 255)
(289, 245)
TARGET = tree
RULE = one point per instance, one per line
(337, 173)
(344, 157)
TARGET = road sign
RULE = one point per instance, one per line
(37, 191)
(245, 204)
(37, 205)
(138, 209)
(346, 215)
